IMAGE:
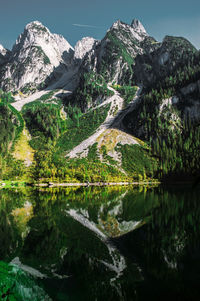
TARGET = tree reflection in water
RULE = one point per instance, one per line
(109, 243)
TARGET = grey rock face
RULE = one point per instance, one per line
(135, 31)
(83, 47)
(35, 55)
(113, 55)
(137, 26)
(3, 51)
(39, 56)
(189, 89)
(164, 57)
(4, 55)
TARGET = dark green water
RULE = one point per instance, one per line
(100, 244)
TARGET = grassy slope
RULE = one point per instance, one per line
(23, 151)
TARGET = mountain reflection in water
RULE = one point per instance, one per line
(100, 243)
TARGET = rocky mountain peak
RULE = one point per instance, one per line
(115, 52)
(135, 31)
(32, 32)
(35, 56)
(36, 26)
(35, 33)
(137, 26)
(3, 51)
(83, 46)
(4, 55)
(117, 24)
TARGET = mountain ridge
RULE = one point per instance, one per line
(34, 56)
(85, 110)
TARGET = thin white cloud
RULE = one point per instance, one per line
(85, 25)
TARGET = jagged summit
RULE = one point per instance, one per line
(2, 50)
(137, 26)
(116, 24)
(4, 54)
(83, 46)
(36, 33)
(34, 24)
(35, 55)
(31, 31)
(136, 29)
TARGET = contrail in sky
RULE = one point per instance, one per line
(84, 25)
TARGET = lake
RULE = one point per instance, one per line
(100, 243)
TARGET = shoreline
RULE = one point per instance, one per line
(53, 184)
(20, 184)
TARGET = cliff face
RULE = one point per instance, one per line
(114, 55)
(4, 55)
(35, 55)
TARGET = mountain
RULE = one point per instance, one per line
(124, 108)
(152, 66)
(114, 55)
(82, 47)
(36, 54)
(4, 55)
(111, 60)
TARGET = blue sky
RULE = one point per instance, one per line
(172, 17)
